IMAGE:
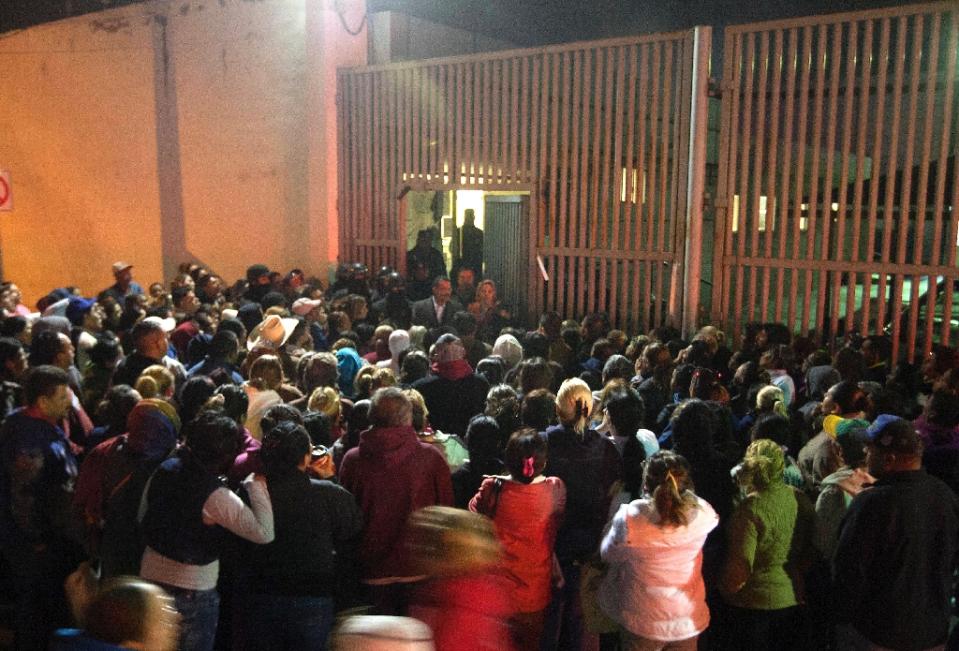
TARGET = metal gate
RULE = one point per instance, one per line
(837, 203)
(609, 136)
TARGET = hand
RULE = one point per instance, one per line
(322, 468)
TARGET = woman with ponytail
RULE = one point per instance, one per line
(770, 549)
(591, 468)
(526, 508)
(654, 586)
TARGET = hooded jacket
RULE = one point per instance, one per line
(391, 473)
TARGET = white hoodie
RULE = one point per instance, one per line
(654, 586)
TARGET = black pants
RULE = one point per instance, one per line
(783, 629)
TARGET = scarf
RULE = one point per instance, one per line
(456, 369)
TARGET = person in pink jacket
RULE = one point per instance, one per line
(654, 586)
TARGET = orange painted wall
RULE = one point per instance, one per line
(243, 97)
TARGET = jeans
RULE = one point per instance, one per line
(564, 627)
(199, 611)
(267, 622)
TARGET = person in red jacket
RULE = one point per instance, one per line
(526, 508)
(392, 474)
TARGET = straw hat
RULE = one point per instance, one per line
(272, 331)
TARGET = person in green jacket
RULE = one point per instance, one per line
(770, 548)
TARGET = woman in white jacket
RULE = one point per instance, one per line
(654, 587)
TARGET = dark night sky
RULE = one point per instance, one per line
(523, 22)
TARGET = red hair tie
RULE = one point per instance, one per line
(529, 467)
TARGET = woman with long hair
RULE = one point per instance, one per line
(491, 316)
(654, 586)
(591, 468)
(526, 508)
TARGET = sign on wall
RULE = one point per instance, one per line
(6, 192)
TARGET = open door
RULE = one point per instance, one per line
(506, 254)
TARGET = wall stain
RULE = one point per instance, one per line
(184, 9)
(110, 25)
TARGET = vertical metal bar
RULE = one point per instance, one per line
(849, 86)
(726, 182)
(757, 175)
(641, 164)
(553, 119)
(922, 190)
(835, 57)
(517, 125)
(498, 115)
(804, 59)
(651, 196)
(696, 176)
(564, 105)
(783, 203)
(596, 133)
(608, 109)
(618, 238)
(883, 63)
(630, 164)
(940, 191)
(906, 194)
(527, 126)
(582, 145)
(857, 199)
(573, 215)
(484, 140)
(773, 166)
(819, 55)
(745, 225)
(892, 165)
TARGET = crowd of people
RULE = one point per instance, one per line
(203, 465)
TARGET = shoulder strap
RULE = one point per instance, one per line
(497, 489)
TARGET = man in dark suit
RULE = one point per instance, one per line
(439, 308)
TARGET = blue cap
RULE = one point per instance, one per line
(892, 433)
(77, 308)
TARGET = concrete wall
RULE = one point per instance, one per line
(200, 130)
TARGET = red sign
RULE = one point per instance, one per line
(6, 192)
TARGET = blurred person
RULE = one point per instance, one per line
(151, 346)
(439, 308)
(124, 284)
(155, 382)
(938, 429)
(13, 365)
(110, 415)
(464, 600)
(126, 613)
(775, 361)
(453, 392)
(491, 315)
(821, 456)
(452, 446)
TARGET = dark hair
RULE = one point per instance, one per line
(284, 447)
(539, 409)
(704, 384)
(535, 344)
(41, 381)
(439, 279)
(851, 443)
(10, 349)
(942, 410)
(13, 325)
(626, 410)
(44, 347)
(224, 344)
(526, 455)
(232, 325)
(106, 350)
(193, 395)
(773, 427)
(693, 429)
(668, 480)
(236, 402)
(534, 373)
(213, 438)
(319, 427)
(682, 378)
(483, 439)
(116, 405)
(617, 367)
(850, 397)
(491, 368)
(415, 366)
(464, 323)
(278, 414)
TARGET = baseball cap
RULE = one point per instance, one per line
(120, 266)
(77, 308)
(168, 324)
(893, 433)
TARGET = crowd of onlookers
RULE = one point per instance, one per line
(203, 465)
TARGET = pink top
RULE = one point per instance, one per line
(526, 517)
